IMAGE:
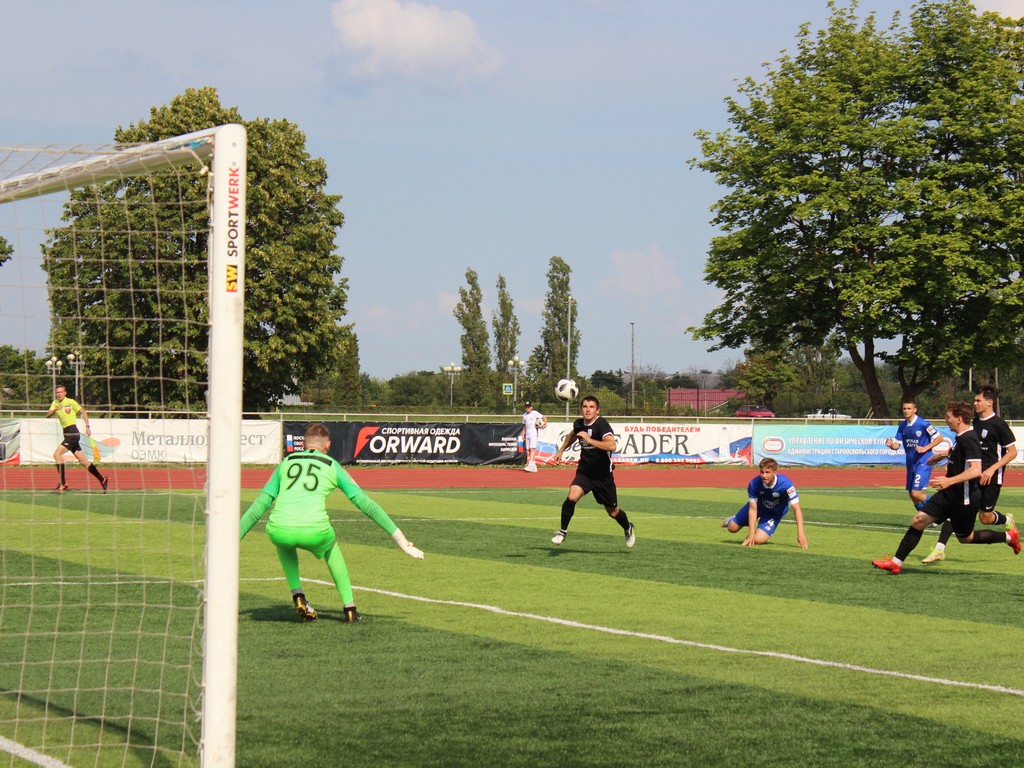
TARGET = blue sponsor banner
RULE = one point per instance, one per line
(828, 444)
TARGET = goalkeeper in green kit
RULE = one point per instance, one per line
(298, 490)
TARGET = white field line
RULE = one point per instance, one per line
(29, 755)
(676, 641)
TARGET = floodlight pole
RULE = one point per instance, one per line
(53, 365)
(452, 370)
(568, 350)
(515, 365)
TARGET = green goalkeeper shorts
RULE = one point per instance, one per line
(316, 539)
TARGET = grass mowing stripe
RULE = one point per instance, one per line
(678, 641)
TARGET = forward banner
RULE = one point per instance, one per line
(387, 442)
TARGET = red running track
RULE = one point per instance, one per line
(419, 476)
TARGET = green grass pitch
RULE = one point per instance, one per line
(501, 649)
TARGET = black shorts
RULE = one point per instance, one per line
(603, 489)
(72, 442)
(989, 496)
(943, 506)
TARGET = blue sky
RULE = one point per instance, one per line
(483, 134)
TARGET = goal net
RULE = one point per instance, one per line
(121, 288)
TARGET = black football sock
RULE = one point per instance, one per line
(60, 471)
(910, 540)
(987, 536)
(621, 519)
(95, 473)
(1000, 518)
(946, 533)
(568, 510)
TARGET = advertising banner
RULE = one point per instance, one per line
(10, 441)
(829, 444)
(645, 443)
(148, 441)
(361, 442)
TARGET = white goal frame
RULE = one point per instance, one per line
(226, 145)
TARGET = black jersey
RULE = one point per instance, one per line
(966, 448)
(995, 436)
(594, 462)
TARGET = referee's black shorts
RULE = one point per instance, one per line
(603, 488)
(72, 439)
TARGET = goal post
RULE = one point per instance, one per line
(44, 710)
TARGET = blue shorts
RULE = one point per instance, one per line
(918, 477)
(766, 524)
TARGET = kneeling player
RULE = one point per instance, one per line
(770, 496)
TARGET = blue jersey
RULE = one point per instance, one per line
(921, 432)
(774, 501)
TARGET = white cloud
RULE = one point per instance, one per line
(643, 274)
(1012, 8)
(410, 40)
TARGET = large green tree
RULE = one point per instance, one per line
(477, 377)
(505, 325)
(135, 286)
(552, 358)
(874, 193)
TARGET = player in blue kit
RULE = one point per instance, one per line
(917, 437)
(770, 497)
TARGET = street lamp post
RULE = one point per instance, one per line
(568, 349)
(515, 365)
(452, 370)
(632, 366)
(77, 363)
(53, 365)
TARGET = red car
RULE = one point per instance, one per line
(754, 412)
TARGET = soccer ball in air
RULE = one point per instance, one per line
(566, 389)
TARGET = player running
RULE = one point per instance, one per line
(998, 449)
(594, 471)
(917, 437)
(958, 495)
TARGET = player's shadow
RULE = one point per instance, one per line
(575, 550)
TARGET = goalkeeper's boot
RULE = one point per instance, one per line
(1011, 524)
(61, 487)
(1013, 540)
(934, 556)
(559, 537)
(351, 615)
(303, 608)
(888, 565)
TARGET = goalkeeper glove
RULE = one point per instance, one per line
(406, 546)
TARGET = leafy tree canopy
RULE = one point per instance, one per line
(150, 272)
(874, 193)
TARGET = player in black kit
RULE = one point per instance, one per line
(594, 471)
(998, 449)
(958, 497)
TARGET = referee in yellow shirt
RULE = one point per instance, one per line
(67, 411)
